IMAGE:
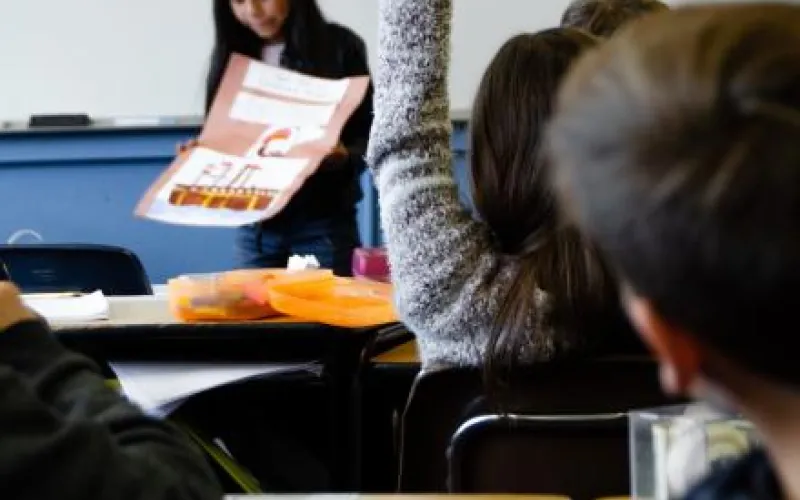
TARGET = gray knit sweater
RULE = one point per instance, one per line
(442, 260)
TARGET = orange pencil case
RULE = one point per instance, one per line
(321, 297)
(220, 296)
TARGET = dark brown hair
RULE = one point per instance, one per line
(513, 197)
(677, 148)
(305, 32)
(604, 17)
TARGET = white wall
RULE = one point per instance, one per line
(104, 57)
(479, 28)
(148, 57)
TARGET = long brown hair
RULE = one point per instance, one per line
(604, 17)
(306, 35)
(513, 197)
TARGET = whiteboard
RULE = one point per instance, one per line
(112, 58)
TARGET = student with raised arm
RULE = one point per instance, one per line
(65, 435)
(516, 285)
(675, 147)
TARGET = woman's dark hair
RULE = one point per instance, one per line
(513, 197)
(305, 33)
(604, 17)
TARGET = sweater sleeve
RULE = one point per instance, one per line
(64, 434)
(442, 260)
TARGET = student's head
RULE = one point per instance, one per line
(245, 26)
(511, 193)
(263, 21)
(604, 17)
(265, 18)
(676, 147)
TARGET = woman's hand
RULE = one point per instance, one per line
(338, 152)
(187, 146)
(336, 159)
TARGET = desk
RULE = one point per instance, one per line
(404, 354)
(142, 329)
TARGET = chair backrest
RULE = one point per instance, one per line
(441, 401)
(45, 268)
(579, 456)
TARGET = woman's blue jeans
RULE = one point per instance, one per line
(331, 240)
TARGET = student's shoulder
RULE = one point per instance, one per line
(750, 476)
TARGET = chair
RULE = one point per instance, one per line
(386, 384)
(579, 456)
(43, 268)
(443, 400)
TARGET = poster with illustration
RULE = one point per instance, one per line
(268, 130)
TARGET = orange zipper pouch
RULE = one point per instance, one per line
(221, 296)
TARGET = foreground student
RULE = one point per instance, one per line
(516, 285)
(676, 148)
(65, 435)
(604, 17)
(321, 218)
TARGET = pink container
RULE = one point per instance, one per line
(371, 263)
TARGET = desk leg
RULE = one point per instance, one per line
(345, 424)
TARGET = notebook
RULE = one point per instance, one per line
(160, 388)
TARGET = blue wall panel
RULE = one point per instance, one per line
(82, 186)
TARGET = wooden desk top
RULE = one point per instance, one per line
(142, 328)
(149, 311)
(404, 354)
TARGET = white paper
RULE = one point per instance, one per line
(80, 309)
(160, 388)
(208, 168)
(261, 114)
(276, 141)
(293, 85)
(302, 263)
(251, 108)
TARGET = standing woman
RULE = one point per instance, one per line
(321, 218)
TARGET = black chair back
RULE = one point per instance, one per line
(44, 268)
(581, 457)
(441, 401)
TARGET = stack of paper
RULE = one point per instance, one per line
(160, 388)
(66, 308)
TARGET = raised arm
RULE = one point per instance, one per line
(441, 258)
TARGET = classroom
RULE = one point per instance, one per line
(399, 249)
